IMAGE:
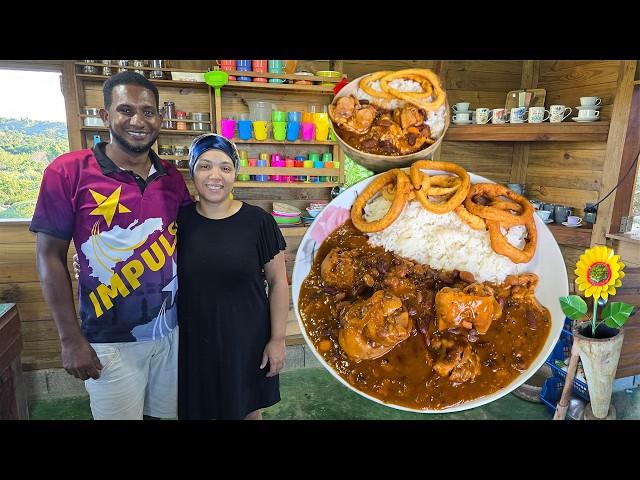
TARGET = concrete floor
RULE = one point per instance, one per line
(313, 394)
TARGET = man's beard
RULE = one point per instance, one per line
(132, 148)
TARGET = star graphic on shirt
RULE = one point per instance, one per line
(107, 205)
(172, 286)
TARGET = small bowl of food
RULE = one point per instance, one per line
(387, 120)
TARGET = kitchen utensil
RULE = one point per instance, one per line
(217, 79)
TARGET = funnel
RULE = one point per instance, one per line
(217, 78)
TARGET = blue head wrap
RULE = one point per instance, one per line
(212, 141)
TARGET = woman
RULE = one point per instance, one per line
(232, 333)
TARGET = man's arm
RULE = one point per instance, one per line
(78, 358)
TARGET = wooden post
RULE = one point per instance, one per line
(615, 148)
(563, 404)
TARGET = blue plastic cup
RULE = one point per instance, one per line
(293, 131)
(244, 129)
(294, 117)
(242, 64)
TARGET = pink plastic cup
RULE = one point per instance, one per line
(228, 126)
(308, 131)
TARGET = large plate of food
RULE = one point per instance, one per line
(386, 120)
(429, 289)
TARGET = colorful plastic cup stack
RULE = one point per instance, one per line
(253, 162)
(299, 163)
(243, 66)
(276, 161)
(307, 164)
(289, 163)
(260, 66)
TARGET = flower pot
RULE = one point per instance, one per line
(599, 357)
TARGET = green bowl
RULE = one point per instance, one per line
(287, 220)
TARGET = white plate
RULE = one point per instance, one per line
(549, 220)
(567, 224)
(584, 120)
(584, 107)
(462, 122)
(547, 263)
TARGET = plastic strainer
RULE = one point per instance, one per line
(217, 79)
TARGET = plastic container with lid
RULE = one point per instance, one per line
(92, 118)
(181, 125)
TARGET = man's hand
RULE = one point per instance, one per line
(80, 360)
(275, 353)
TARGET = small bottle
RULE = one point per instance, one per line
(169, 115)
(181, 125)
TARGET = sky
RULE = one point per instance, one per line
(34, 95)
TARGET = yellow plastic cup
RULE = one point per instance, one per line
(322, 131)
(260, 129)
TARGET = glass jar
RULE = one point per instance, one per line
(139, 63)
(121, 64)
(180, 150)
(181, 125)
(89, 69)
(157, 74)
(106, 71)
(165, 150)
(169, 115)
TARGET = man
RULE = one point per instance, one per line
(119, 202)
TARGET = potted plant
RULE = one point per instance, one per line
(598, 339)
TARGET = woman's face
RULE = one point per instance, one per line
(213, 176)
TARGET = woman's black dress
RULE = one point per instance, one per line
(223, 313)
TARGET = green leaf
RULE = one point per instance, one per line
(616, 314)
(573, 307)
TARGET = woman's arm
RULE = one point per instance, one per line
(275, 351)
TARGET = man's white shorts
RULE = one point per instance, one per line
(137, 378)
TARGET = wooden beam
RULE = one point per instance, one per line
(71, 105)
(615, 148)
(623, 203)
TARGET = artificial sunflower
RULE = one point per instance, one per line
(599, 272)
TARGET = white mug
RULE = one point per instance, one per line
(584, 113)
(499, 115)
(483, 115)
(518, 115)
(461, 117)
(557, 113)
(537, 114)
(590, 101)
(461, 107)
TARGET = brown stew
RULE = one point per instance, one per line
(408, 374)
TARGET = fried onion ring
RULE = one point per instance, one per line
(418, 179)
(402, 191)
(419, 102)
(470, 219)
(425, 84)
(493, 191)
(365, 86)
(501, 245)
(443, 185)
(506, 205)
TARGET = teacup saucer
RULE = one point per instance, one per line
(548, 221)
(567, 224)
(584, 119)
(586, 107)
(462, 122)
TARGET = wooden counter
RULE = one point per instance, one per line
(13, 399)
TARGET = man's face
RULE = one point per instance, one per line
(133, 118)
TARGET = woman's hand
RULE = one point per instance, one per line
(274, 353)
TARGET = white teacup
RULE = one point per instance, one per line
(588, 113)
(590, 101)
(537, 114)
(518, 115)
(461, 107)
(499, 115)
(543, 214)
(461, 117)
(483, 115)
(557, 113)
(573, 220)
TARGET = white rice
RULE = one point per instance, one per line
(443, 241)
(435, 119)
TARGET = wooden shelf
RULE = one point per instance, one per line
(162, 131)
(528, 132)
(284, 76)
(160, 83)
(285, 184)
(173, 158)
(576, 237)
(131, 67)
(288, 87)
(283, 142)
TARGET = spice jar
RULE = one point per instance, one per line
(121, 64)
(139, 63)
(157, 74)
(165, 150)
(181, 125)
(169, 115)
(181, 150)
